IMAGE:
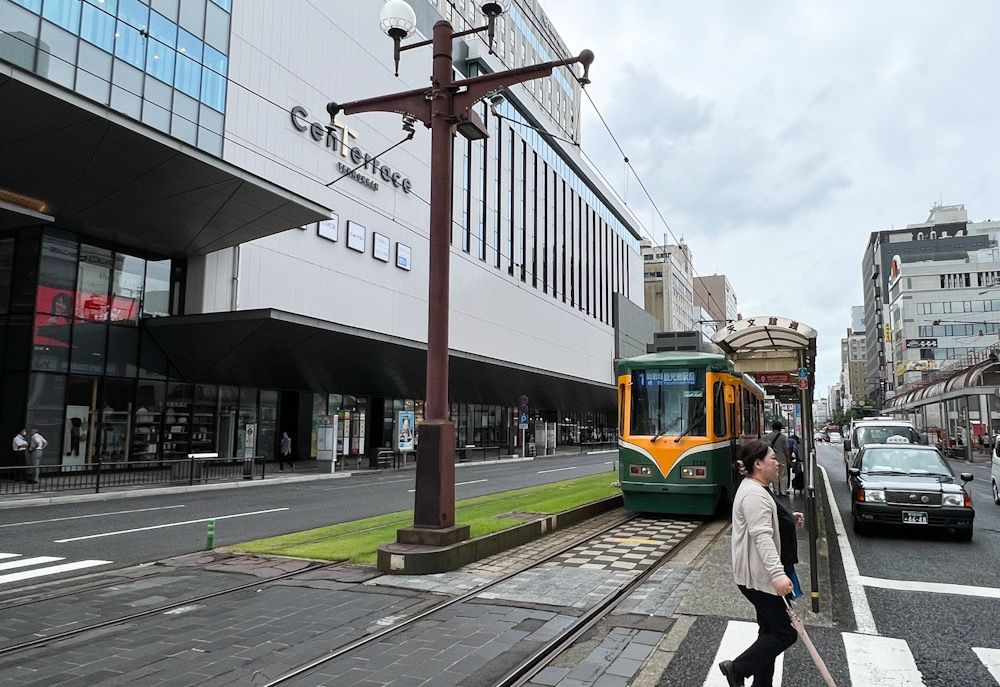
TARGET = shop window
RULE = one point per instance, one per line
(46, 400)
(114, 427)
(177, 419)
(203, 419)
(267, 425)
(93, 284)
(147, 430)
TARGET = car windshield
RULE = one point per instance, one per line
(879, 434)
(668, 401)
(904, 461)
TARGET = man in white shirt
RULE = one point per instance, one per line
(20, 447)
(36, 445)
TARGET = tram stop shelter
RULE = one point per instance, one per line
(776, 351)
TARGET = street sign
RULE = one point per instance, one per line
(921, 343)
(803, 373)
(523, 421)
(522, 413)
(803, 383)
(774, 378)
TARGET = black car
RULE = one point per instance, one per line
(910, 485)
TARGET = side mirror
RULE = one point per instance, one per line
(854, 472)
(967, 476)
(847, 444)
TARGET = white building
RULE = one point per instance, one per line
(669, 286)
(233, 258)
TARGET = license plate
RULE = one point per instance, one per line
(913, 517)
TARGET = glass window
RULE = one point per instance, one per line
(668, 401)
(719, 409)
(160, 51)
(46, 399)
(224, 4)
(123, 351)
(126, 288)
(156, 294)
(93, 284)
(89, 347)
(33, 5)
(98, 23)
(203, 422)
(213, 89)
(188, 76)
(64, 14)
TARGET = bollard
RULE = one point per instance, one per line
(211, 535)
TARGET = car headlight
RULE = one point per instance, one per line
(952, 500)
(877, 495)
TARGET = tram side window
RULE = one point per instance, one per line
(719, 416)
(668, 402)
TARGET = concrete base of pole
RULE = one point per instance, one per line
(438, 536)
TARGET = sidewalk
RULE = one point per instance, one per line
(306, 470)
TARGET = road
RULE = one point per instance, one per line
(940, 625)
(132, 531)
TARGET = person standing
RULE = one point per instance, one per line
(758, 569)
(36, 445)
(286, 452)
(20, 447)
(779, 443)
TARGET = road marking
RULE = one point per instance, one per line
(169, 524)
(931, 587)
(738, 637)
(606, 450)
(51, 570)
(457, 484)
(880, 662)
(92, 515)
(25, 562)
(9, 555)
(542, 472)
(863, 618)
(990, 659)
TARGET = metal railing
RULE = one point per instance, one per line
(196, 468)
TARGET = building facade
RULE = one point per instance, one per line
(191, 249)
(717, 298)
(669, 286)
(946, 235)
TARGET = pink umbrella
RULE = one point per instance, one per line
(801, 629)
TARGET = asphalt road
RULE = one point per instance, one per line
(941, 625)
(144, 529)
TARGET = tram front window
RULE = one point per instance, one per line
(668, 402)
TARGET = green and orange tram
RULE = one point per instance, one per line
(683, 416)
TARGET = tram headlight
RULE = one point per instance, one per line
(693, 472)
(639, 470)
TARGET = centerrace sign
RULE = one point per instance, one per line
(336, 138)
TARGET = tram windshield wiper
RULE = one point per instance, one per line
(694, 423)
(667, 428)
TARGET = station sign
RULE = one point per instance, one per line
(921, 343)
(774, 378)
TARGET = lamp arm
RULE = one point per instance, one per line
(415, 104)
(478, 87)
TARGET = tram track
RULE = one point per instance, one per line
(537, 661)
(12, 649)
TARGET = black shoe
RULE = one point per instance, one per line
(727, 669)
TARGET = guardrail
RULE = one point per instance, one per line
(598, 446)
(196, 468)
(467, 453)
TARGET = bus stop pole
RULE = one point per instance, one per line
(805, 398)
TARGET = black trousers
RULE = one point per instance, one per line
(776, 634)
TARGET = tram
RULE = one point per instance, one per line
(683, 416)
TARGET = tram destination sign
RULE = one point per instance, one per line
(921, 343)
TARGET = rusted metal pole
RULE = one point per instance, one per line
(434, 502)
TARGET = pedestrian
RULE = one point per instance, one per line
(20, 447)
(286, 453)
(759, 569)
(36, 444)
(783, 455)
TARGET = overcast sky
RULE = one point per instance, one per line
(775, 137)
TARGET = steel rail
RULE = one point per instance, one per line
(371, 639)
(41, 641)
(535, 663)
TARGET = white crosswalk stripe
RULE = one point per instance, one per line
(738, 636)
(38, 567)
(872, 661)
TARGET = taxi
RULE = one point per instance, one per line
(911, 485)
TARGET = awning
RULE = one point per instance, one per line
(104, 175)
(280, 350)
(771, 344)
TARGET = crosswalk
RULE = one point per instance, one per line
(38, 566)
(872, 661)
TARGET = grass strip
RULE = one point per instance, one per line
(358, 541)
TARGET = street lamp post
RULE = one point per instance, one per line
(444, 107)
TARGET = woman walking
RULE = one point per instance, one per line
(758, 566)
